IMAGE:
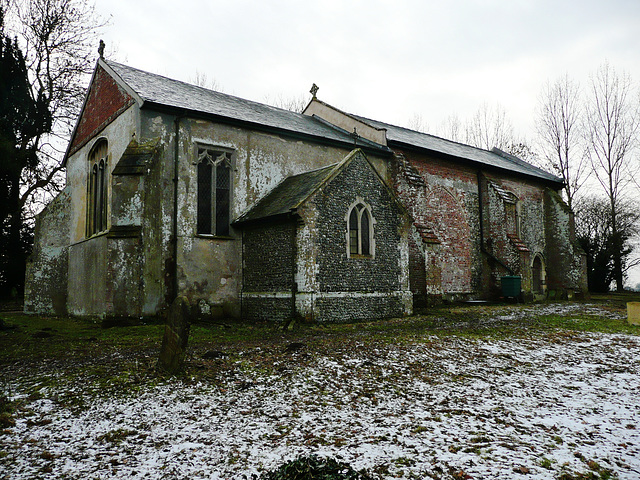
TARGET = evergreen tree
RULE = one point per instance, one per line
(23, 119)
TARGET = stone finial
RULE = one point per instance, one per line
(314, 90)
(101, 49)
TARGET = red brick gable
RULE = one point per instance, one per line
(105, 101)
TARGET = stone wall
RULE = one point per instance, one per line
(566, 261)
(46, 275)
(337, 272)
(360, 287)
(268, 271)
(88, 277)
(209, 268)
(330, 284)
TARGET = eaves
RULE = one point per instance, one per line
(394, 144)
(366, 146)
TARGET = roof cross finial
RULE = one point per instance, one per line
(314, 90)
(355, 136)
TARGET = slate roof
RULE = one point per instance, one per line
(158, 90)
(136, 158)
(161, 91)
(288, 195)
(494, 158)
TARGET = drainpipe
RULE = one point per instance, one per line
(482, 247)
(176, 160)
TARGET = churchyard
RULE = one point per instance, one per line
(547, 391)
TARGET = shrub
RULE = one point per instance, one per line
(314, 468)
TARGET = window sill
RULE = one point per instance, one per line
(214, 237)
(95, 235)
(361, 257)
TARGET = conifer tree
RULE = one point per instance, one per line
(23, 119)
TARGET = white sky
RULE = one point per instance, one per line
(386, 60)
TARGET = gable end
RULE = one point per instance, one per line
(105, 101)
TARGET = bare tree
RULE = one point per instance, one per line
(559, 133)
(417, 123)
(291, 103)
(56, 38)
(201, 79)
(595, 235)
(612, 125)
(489, 128)
(452, 129)
(523, 150)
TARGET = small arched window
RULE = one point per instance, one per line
(360, 231)
(97, 189)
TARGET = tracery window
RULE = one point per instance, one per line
(214, 192)
(360, 231)
(97, 189)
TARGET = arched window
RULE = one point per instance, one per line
(360, 231)
(97, 189)
(214, 192)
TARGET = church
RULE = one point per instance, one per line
(255, 212)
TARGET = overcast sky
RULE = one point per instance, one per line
(387, 60)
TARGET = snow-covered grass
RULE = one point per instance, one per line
(537, 404)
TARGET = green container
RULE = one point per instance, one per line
(511, 285)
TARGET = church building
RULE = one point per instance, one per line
(255, 212)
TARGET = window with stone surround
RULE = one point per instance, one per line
(97, 189)
(512, 213)
(214, 192)
(360, 231)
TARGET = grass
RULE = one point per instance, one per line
(122, 357)
(118, 360)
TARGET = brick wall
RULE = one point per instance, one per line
(105, 101)
(446, 201)
(443, 196)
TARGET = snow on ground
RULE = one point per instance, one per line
(439, 407)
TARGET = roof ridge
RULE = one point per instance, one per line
(199, 87)
(466, 145)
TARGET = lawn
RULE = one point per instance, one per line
(546, 391)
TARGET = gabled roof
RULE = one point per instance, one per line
(288, 195)
(156, 90)
(160, 92)
(399, 136)
(294, 191)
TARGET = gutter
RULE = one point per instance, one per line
(556, 185)
(346, 143)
